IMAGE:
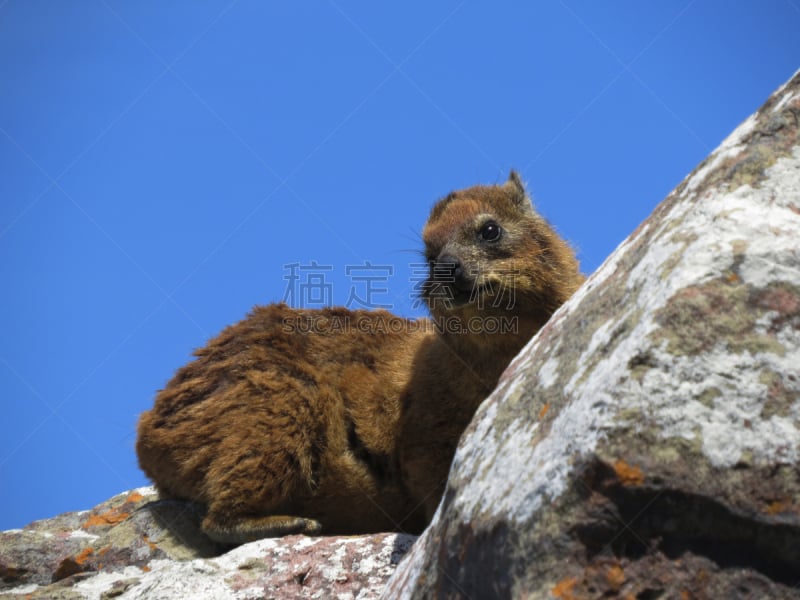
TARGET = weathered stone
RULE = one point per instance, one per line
(647, 442)
(134, 546)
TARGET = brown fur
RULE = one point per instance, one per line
(351, 428)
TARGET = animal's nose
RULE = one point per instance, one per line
(447, 269)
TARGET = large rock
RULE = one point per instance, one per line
(134, 546)
(646, 443)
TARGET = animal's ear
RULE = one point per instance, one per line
(517, 189)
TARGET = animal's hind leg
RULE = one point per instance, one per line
(251, 495)
(259, 477)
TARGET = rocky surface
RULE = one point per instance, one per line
(133, 546)
(646, 444)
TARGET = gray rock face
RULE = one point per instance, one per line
(135, 547)
(647, 442)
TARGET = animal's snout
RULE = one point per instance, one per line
(448, 269)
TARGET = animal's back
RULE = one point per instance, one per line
(268, 419)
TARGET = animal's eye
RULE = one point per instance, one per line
(490, 232)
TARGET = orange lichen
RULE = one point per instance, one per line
(543, 411)
(113, 516)
(134, 497)
(628, 474)
(84, 555)
(615, 577)
(152, 545)
(564, 589)
(777, 506)
(110, 517)
(733, 278)
(74, 564)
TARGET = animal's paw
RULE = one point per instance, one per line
(248, 529)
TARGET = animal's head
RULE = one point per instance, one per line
(490, 254)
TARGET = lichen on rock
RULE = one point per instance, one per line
(136, 546)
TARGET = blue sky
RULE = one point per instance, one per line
(162, 163)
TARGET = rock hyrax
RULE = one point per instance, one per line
(350, 426)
